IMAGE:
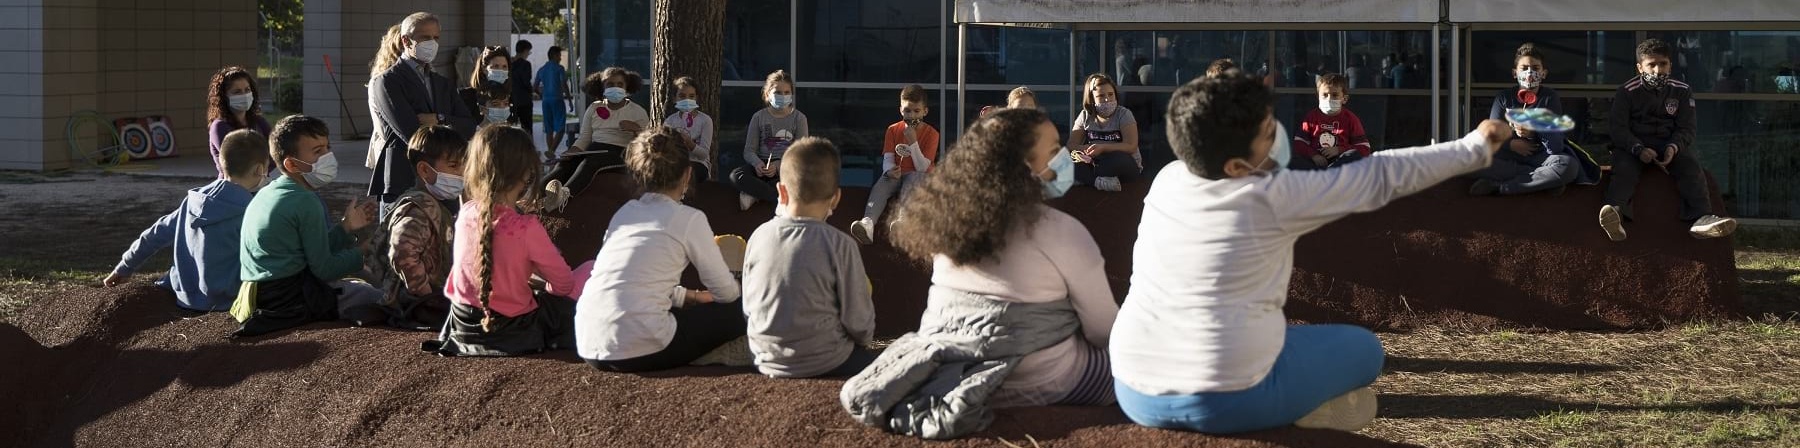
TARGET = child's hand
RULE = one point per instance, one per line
(114, 279)
(1329, 151)
(630, 126)
(1496, 131)
(1320, 160)
(1646, 155)
(1522, 131)
(357, 215)
(1521, 147)
(698, 298)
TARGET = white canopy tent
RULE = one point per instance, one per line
(1603, 11)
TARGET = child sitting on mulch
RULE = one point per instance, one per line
(805, 293)
(498, 249)
(290, 260)
(634, 315)
(413, 242)
(204, 275)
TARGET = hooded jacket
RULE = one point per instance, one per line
(206, 225)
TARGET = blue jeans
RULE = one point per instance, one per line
(1316, 364)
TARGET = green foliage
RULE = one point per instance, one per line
(284, 18)
(538, 16)
(288, 96)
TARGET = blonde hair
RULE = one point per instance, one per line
(1020, 93)
(389, 53)
(769, 84)
(500, 159)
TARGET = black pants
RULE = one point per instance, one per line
(698, 330)
(1111, 164)
(1306, 164)
(523, 116)
(290, 302)
(701, 173)
(1689, 182)
(549, 327)
(748, 182)
(860, 358)
(578, 171)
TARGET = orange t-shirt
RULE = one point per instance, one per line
(896, 135)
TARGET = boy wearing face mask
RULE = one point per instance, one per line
(1201, 343)
(413, 244)
(1331, 135)
(696, 128)
(290, 259)
(1533, 161)
(907, 152)
(1653, 125)
(204, 275)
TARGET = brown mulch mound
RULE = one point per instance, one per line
(1436, 258)
(124, 367)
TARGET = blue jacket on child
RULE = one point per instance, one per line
(205, 273)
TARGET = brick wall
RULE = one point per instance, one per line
(351, 30)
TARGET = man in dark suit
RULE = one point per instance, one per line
(408, 95)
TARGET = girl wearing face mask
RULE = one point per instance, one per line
(495, 100)
(980, 219)
(770, 132)
(1103, 140)
(607, 126)
(232, 105)
(496, 66)
(696, 127)
(414, 241)
(1532, 161)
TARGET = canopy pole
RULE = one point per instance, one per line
(1437, 91)
(1457, 119)
(962, 74)
(943, 66)
(1074, 73)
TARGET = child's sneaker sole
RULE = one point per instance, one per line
(734, 354)
(1612, 223)
(1351, 412)
(732, 248)
(1721, 228)
(861, 232)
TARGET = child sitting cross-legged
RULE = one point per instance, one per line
(499, 249)
(805, 293)
(413, 243)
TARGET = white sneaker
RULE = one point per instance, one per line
(745, 201)
(1107, 184)
(555, 196)
(1348, 412)
(863, 231)
(1612, 223)
(1710, 226)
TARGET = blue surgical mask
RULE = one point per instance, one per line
(779, 101)
(615, 94)
(1281, 150)
(498, 114)
(687, 105)
(1065, 174)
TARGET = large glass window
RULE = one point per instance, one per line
(618, 35)
(1570, 57)
(870, 41)
(1170, 58)
(1017, 56)
(1371, 59)
(756, 39)
(1736, 61)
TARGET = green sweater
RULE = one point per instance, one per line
(285, 231)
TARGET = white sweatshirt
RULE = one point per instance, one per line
(1213, 259)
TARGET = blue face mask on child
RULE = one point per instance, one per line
(687, 105)
(779, 101)
(1065, 174)
(615, 94)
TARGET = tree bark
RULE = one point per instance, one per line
(687, 39)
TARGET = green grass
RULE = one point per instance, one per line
(23, 280)
(1757, 238)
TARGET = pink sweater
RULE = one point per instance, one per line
(521, 248)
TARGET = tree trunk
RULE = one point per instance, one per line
(687, 39)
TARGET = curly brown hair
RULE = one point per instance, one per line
(595, 85)
(980, 193)
(218, 106)
(656, 160)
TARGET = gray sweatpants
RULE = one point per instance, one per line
(1526, 174)
(884, 190)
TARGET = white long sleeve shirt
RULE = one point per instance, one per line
(624, 311)
(1213, 259)
(1057, 260)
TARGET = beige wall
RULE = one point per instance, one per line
(351, 30)
(126, 59)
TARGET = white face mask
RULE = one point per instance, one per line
(241, 103)
(447, 186)
(497, 75)
(424, 51)
(1330, 106)
(323, 171)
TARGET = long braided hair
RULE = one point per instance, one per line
(502, 161)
